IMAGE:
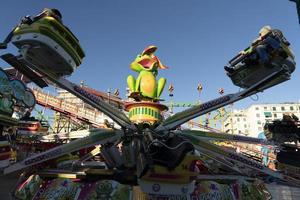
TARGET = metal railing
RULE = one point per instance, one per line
(81, 113)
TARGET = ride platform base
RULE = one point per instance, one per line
(145, 111)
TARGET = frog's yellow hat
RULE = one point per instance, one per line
(150, 51)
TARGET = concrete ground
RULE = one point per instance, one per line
(6, 185)
(283, 192)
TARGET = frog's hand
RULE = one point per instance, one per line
(131, 83)
(160, 86)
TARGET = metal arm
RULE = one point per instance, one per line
(196, 111)
(116, 115)
(217, 158)
(97, 136)
(224, 137)
(243, 163)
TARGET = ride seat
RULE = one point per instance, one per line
(168, 157)
(248, 69)
(49, 44)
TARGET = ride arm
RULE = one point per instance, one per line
(115, 114)
(298, 8)
(96, 137)
(196, 111)
(224, 137)
(91, 154)
(241, 162)
(217, 158)
(204, 127)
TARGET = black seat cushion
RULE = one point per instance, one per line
(167, 157)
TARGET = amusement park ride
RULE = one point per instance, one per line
(147, 151)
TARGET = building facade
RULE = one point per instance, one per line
(250, 121)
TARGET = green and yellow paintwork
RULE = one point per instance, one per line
(147, 64)
(145, 112)
(55, 30)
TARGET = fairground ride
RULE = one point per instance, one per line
(147, 151)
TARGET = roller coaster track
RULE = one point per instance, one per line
(83, 114)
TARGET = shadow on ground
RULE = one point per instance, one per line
(7, 183)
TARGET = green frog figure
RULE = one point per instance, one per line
(145, 87)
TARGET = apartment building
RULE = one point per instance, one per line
(250, 121)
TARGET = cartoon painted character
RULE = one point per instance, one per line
(6, 104)
(6, 95)
(146, 85)
(104, 190)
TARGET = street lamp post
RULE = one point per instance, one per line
(221, 92)
(108, 95)
(199, 89)
(171, 89)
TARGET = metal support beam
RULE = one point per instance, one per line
(118, 116)
(196, 111)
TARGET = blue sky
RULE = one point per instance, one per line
(194, 38)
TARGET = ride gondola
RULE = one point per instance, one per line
(285, 130)
(268, 54)
(45, 42)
